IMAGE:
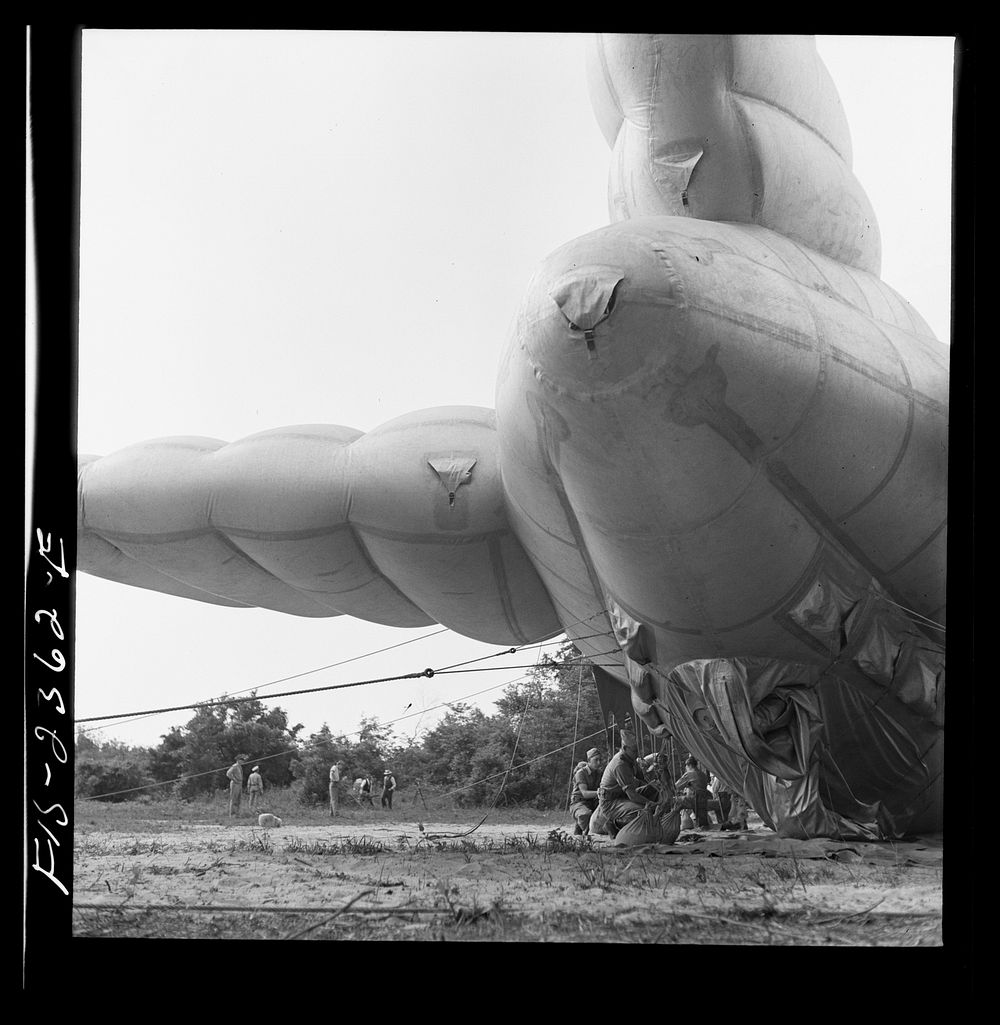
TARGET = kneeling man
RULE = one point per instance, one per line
(583, 800)
(618, 796)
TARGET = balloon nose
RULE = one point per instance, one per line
(597, 317)
(586, 295)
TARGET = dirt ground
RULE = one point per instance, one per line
(355, 879)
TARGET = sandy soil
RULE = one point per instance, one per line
(355, 879)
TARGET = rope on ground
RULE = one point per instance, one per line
(520, 726)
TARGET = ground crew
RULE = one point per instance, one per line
(618, 797)
(363, 785)
(334, 789)
(388, 786)
(235, 776)
(583, 799)
(696, 780)
(255, 787)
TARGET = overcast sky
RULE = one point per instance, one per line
(290, 228)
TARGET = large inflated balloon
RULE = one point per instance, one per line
(719, 448)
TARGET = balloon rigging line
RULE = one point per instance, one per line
(356, 658)
(912, 612)
(305, 748)
(496, 796)
(520, 765)
(317, 690)
(283, 694)
(307, 672)
(138, 716)
(576, 729)
(513, 651)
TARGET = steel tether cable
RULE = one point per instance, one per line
(317, 690)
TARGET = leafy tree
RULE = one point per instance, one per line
(461, 750)
(552, 710)
(86, 746)
(373, 750)
(311, 765)
(166, 761)
(542, 727)
(410, 765)
(199, 753)
(110, 781)
(105, 768)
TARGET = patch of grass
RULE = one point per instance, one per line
(362, 846)
(159, 811)
(258, 843)
(559, 840)
(131, 846)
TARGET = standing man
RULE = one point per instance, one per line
(618, 796)
(364, 785)
(654, 771)
(583, 799)
(255, 787)
(334, 789)
(720, 799)
(695, 779)
(388, 785)
(235, 776)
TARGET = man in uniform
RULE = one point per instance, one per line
(720, 799)
(652, 771)
(334, 789)
(619, 800)
(695, 779)
(583, 800)
(235, 775)
(255, 787)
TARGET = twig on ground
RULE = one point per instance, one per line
(311, 867)
(854, 914)
(719, 918)
(330, 918)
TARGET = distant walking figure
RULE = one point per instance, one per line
(334, 788)
(388, 786)
(255, 787)
(235, 775)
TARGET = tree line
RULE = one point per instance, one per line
(466, 755)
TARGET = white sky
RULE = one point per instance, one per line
(286, 228)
